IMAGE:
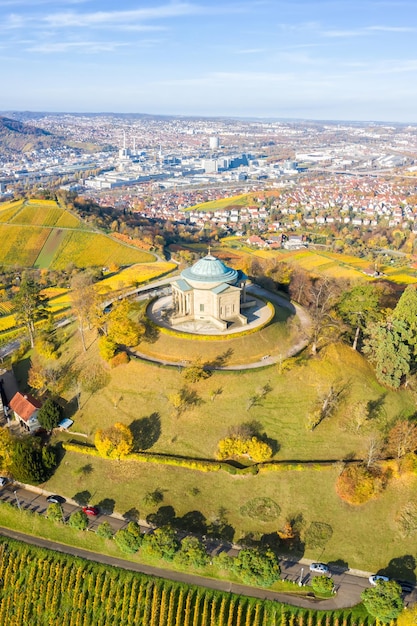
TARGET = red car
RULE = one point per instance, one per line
(90, 510)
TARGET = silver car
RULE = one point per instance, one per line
(319, 568)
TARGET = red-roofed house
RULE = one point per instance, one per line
(25, 408)
(254, 240)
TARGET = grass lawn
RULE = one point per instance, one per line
(275, 339)
(365, 537)
(138, 394)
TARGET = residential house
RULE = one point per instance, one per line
(254, 240)
(25, 409)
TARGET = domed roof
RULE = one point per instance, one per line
(210, 270)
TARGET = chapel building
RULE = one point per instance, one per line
(210, 291)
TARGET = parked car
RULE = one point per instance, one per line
(406, 587)
(54, 499)
(3, 481)
(376, 577)
(319, 568)
(90, 510)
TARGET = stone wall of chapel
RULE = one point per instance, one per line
(204, 303)
(229, 305)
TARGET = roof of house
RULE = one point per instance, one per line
(24, 405)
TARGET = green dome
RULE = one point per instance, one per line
(210, 270)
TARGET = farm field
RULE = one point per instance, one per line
(39, 233)
(134, 276)
(85, 249)
(21, 244)
(330, 264)
(245, 199)
(138, 394)
(38, 213)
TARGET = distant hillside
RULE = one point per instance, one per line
(18, 137)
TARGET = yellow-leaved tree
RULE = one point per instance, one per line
(115, 442)
(6, 450)
(408, 617)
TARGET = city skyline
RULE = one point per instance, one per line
(307, 60)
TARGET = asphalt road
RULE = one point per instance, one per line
(348, 585)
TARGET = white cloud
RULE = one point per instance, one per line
(392, 29)
(76, 46)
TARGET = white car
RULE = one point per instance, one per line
(3, 481)
(319, 568)
(376, 577)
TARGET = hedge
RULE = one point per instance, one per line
(201, 465)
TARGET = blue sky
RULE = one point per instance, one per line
(317, 59)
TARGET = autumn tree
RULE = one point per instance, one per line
(93, 378)
(300, 286)
(29, 306)
(183, 399)
(115, 442)
(37, 375)
(357, 484)
(326, 406)
(323, 296)
(402, 438)
(408, 617)
(252, 447)
(84, 301)
(107, 347)
(196, 371)
(358, 416)
(373, 450)
(46, 347)
(6, 450)
(121, 328)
